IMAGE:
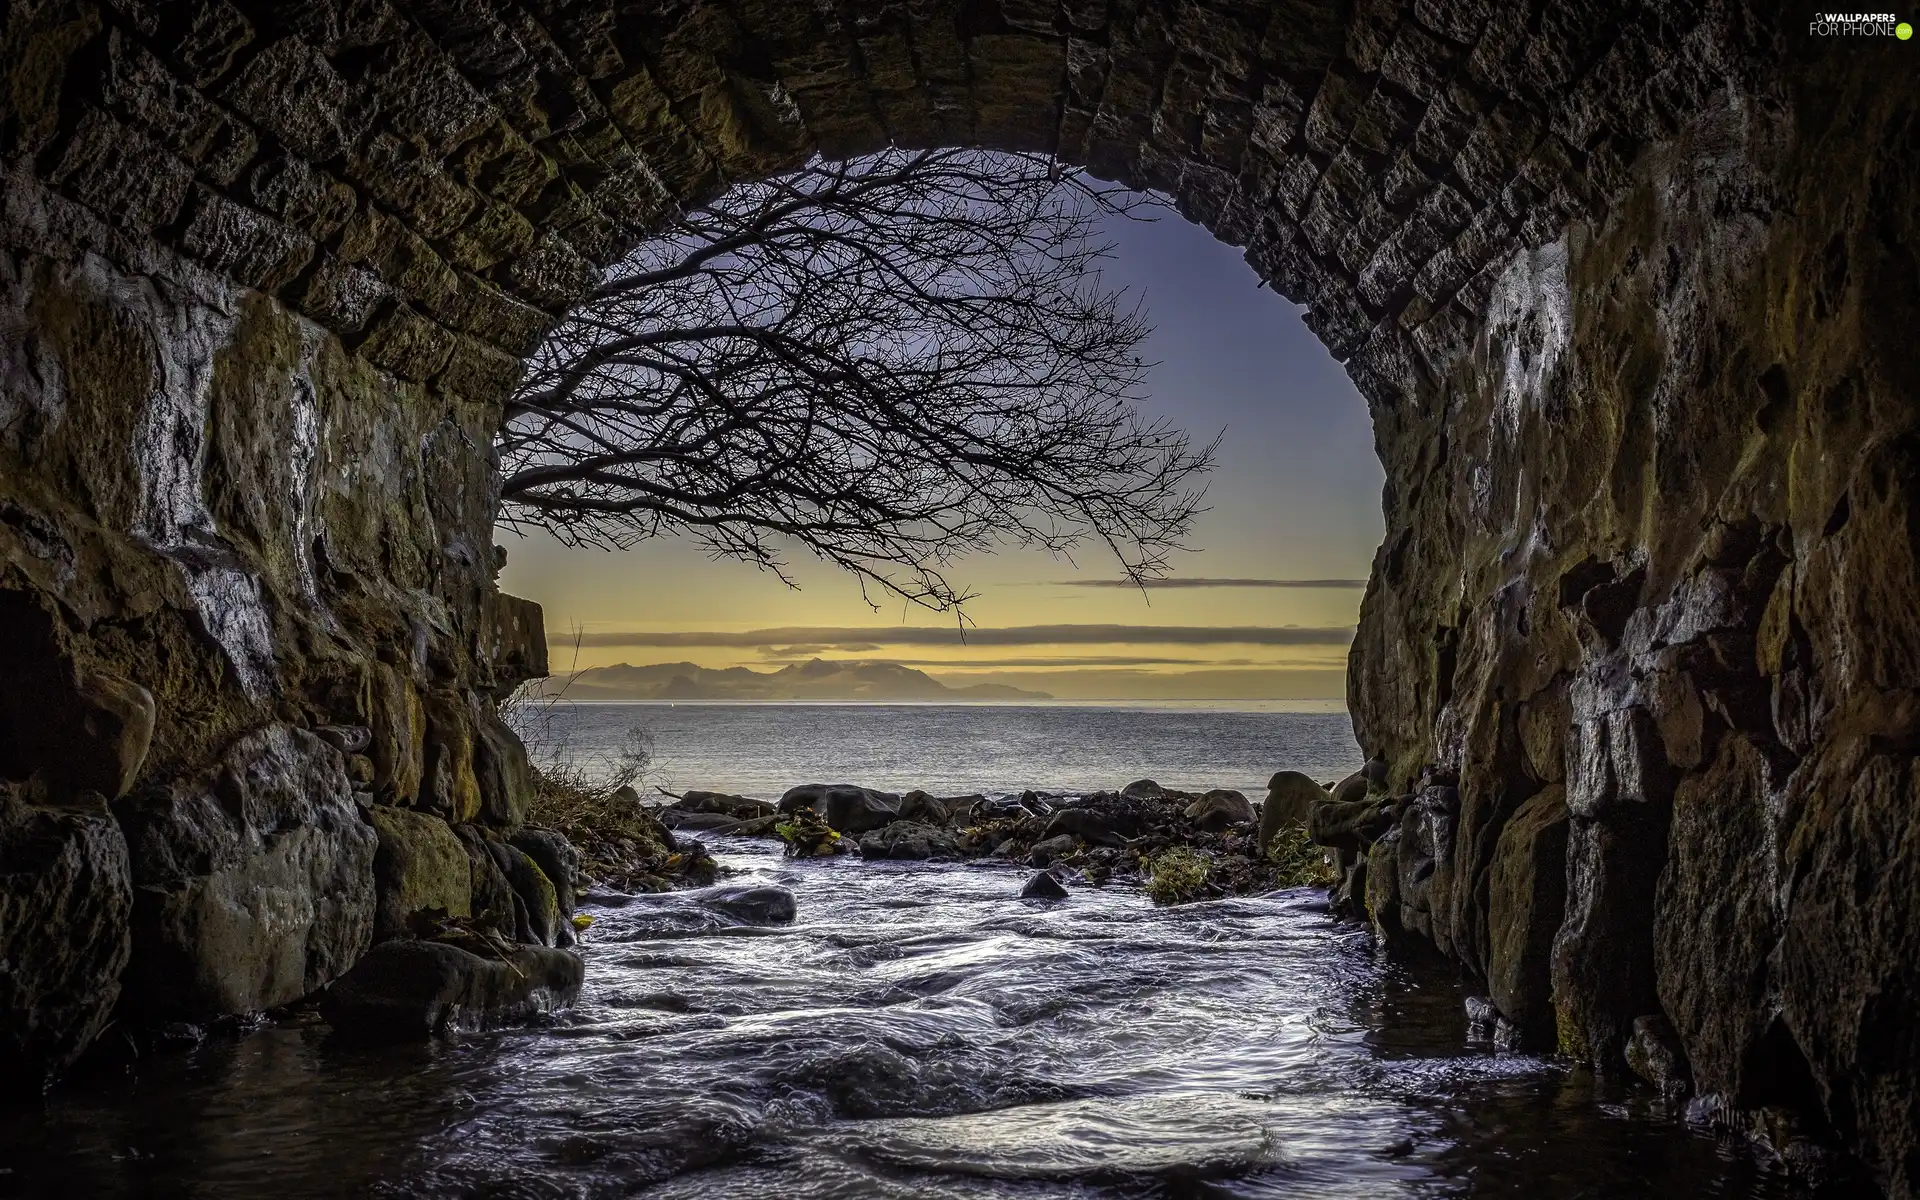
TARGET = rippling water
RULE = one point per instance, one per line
(918, 1032)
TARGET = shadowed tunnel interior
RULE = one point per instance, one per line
(1630, 291)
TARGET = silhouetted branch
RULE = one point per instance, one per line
(892, 361)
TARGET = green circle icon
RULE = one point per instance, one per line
(1903, 31)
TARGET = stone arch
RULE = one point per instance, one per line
(1628, 287)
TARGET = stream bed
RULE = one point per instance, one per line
(918, 1031)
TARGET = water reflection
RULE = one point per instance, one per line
(918, 1032)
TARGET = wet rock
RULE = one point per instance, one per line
(923, 808)
(849, 809)
(1654, 1054)
(1353, 787)
(1353, 825)
(408, 990)
(538, 905)
(1147, 789)
(1099, 826)
(253, 883)
(1049, 850)
(695, 822)
(557, 859)
(738, 808)
(494, 906)
(1290, 797)
(1526, 900)
(420, 867)
(758, 827)
(909, 839)
(1044, 885)
(762, 905)
(1219, 808)
(65, 900)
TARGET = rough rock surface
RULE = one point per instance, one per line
(909, 839)
(846, 807)
(420, 866)
(1290, 796)
(65, 900)
(407, 990)
(253, 882)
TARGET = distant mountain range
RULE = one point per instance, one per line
(816, 679)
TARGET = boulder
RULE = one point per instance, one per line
(763, 905)
(1097, 826)
(908, 839)
(538, 904)
(1048, 850)
(1351, 826)
(758, 827)
(695, 822)
(1526, 899)
(409, 990)
(1146, 789)
(494, 905)
(557, 859)
(845, 807)
(1654, 1054)
(420, 866)
(502, 771)
(65, 898)
(1353, 787)
(1043, 886)
(1218, 809)
(923, 808)
(253, 882)
(1290, 797)
(739, 808)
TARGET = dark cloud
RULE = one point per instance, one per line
(813, 651)
(1202, 581)
(1019, 635)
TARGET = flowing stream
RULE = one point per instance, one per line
(919, 1031)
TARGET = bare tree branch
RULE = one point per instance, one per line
(892, 362)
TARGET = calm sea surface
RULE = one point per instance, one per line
(919, 1031)
(764, 749)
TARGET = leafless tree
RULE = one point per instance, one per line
(891, 362)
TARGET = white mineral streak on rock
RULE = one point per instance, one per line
(1530, 325)
(170, 451)
(303, 453)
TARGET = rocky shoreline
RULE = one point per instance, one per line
(1178, 845)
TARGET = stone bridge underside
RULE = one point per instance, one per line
(1630, 290)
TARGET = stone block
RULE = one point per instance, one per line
(420, 868)
(289, 90)
(1526, 900)
(121, 174)
(253, 880)
(65, 900)
(248, 247)
(411, 990)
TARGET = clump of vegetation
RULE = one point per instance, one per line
(1297, 861)
(808, 836)
(596, 805)
(1176, 875)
